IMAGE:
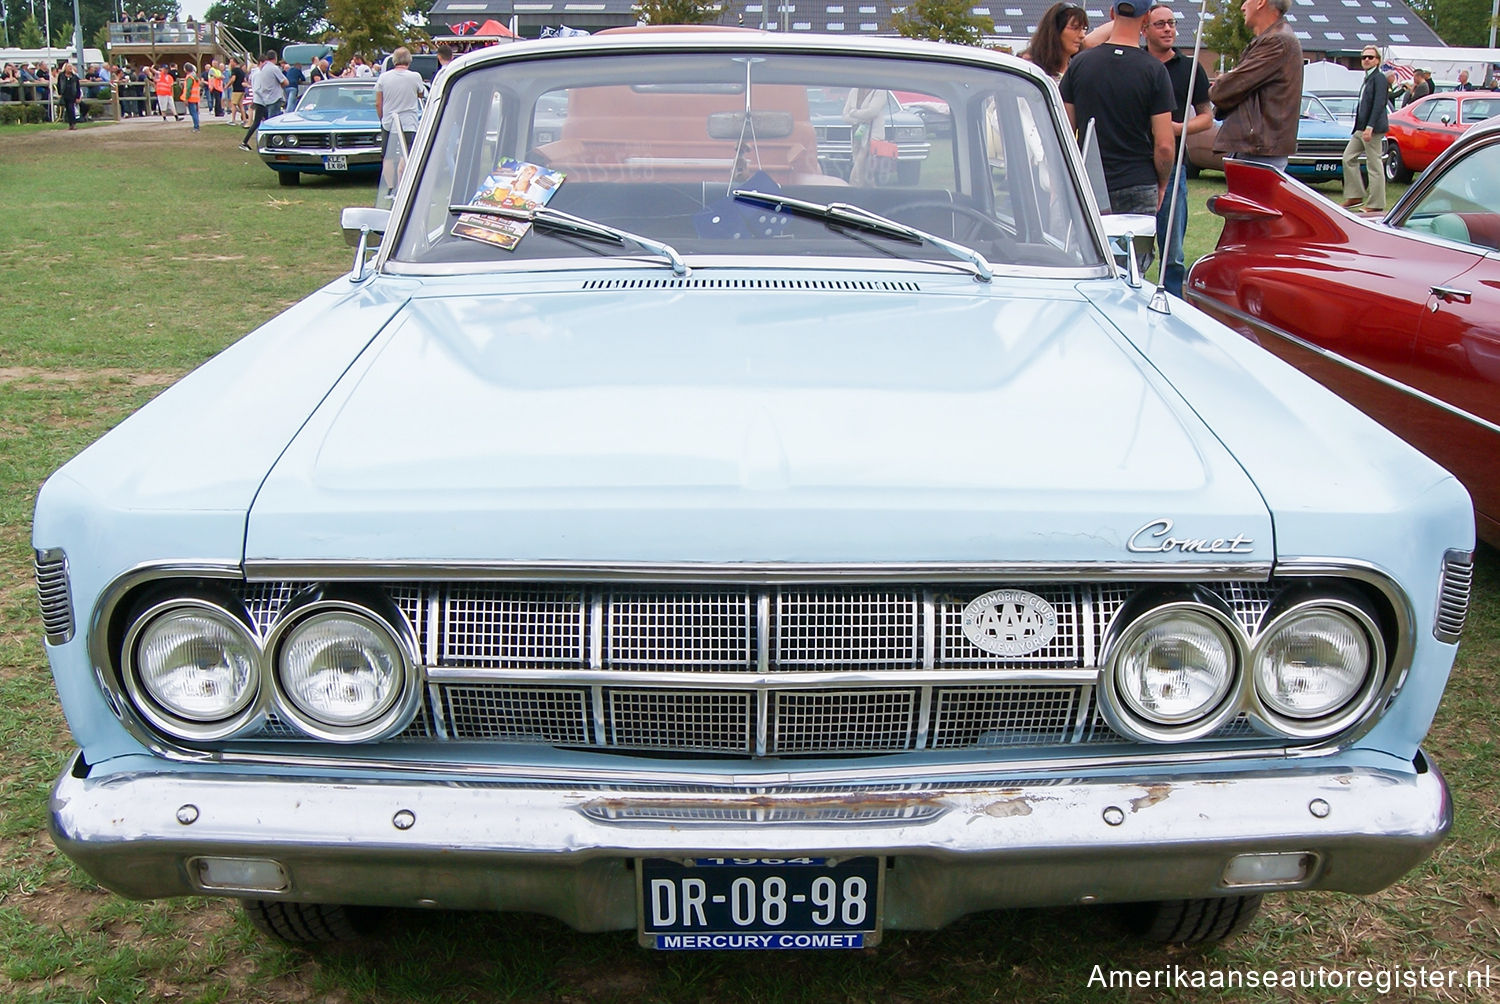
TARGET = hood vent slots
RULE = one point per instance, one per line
(839, 285)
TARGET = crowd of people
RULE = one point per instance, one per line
(1126, 82)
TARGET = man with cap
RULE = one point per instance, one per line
(1127, 93)
(1260, 100)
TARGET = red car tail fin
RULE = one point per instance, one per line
(1238, 207)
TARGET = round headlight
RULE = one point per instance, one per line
(277, 140)
(196, 663)
(1174, 667)
(341, 669)
(291, 141)
(1313, 663)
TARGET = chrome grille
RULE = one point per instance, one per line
(842, 721)
(307, 141)
(704, 631)
(1453, 595)
(54, 595)
(556, 716)
(737, 670)
(827, 628)
(1003, 716)
(1321, 147)
(355, 140)
(714, 721)
(509, 628)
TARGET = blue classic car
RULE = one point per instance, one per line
(1321, 138)
(333, 130)
(655, 532)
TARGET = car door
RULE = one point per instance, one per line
(1432, 135)
(1456, 358)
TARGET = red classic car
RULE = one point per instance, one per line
(1399, 315)
(1425, 128)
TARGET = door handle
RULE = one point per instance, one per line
(1452, 294)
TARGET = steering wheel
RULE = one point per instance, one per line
(977, 219)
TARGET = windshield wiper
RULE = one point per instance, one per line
(559, 220)
(856, 216)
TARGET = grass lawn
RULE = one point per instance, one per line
(133, 254)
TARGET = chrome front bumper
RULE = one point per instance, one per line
(567, 851)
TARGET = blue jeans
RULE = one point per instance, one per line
(291, 96)
(1172, 270)
(192, 107)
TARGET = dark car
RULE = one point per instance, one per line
(1399, 315)
(1424, 129)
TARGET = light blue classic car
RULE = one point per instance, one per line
(333, 130)
(654, 532)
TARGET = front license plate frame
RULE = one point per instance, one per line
(336, 162)
(792, 903)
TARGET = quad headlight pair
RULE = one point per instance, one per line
(1182, 668)
(335, 669)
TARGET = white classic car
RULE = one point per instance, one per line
(655, 532)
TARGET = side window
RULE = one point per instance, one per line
(1440, 109)
(1464, 204)
(1479, 110)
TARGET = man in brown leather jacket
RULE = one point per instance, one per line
(1260, 99)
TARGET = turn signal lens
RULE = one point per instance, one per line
(1316, 661)
(341, 669)
(197, 664)
(1175, 667)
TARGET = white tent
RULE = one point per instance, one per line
(1444, 62)
(1325, 76)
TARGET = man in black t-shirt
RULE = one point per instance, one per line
(1161, 35)
(1128, 95)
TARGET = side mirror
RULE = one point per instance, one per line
(1132, 239)
(1447, 120)
(364, 228)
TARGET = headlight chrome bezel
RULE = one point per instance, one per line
(244, 714)
(1287, 611)
(1118, 710)
(392, 714)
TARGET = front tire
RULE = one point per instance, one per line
(1395, 168)
(289, 179)
(1193, 921)
(309, 923)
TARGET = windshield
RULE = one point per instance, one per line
(654, 144)
(338, 97)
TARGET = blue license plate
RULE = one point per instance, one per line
(759, 903)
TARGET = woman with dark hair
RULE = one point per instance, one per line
(1059, 37)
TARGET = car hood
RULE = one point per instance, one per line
(347, 118)
(679, 424)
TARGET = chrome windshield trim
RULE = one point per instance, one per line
(762, 263)
(750, 572)
(1213, 306)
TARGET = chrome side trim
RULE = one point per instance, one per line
(768, 573)
(1210, 305)
(1453, 596)
(54, 595)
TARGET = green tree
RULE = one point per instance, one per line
(62, 35)
(677, 11)
(1226, 33)
(367, 27)
(291, 20)
(1457, 22)
(943, 21)
(31, 34)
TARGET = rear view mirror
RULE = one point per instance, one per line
(763, 125)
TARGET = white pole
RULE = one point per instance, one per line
(1159, 298)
